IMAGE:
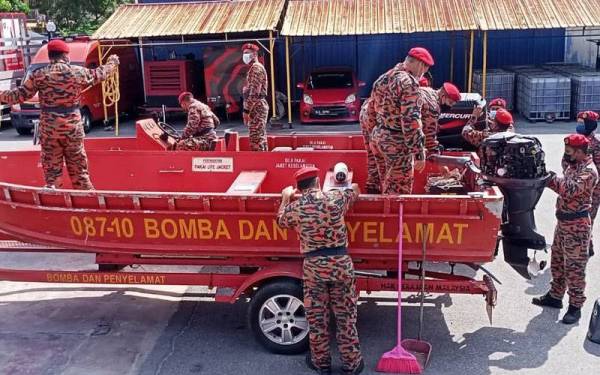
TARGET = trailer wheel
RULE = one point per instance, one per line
(86, 119)
(277, 318)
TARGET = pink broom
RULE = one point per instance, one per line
(399, 360)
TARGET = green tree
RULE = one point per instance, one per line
(13, 6)
(78, 16)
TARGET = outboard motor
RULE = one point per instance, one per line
(515, 163)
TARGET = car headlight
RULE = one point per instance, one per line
(350, 99)
(307, 99)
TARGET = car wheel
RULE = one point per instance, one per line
(24, 131)
(278, 319)
(86, 119)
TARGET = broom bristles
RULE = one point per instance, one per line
(399, 361)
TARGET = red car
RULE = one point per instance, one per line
(330, 95)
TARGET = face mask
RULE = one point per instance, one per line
(247, 58)
(569, 159)
(492, 114)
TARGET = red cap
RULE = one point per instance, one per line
(424, 82)
(421, 54)
(306, 172)
(183, 95)
(588, 115)
(497, 102)
(504, 117)
(577, 141)
(452, 91)
(250, 46)
(57, 45)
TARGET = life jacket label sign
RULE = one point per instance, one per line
(224, 165)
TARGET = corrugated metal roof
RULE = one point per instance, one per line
(536, 14)
(174, 19)
(359, 17)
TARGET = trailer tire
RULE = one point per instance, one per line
(86, 119)
(278, 307)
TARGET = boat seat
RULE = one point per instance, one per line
(247, 182)
(331, 183)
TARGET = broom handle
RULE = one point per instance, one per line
(425, 237)
(400, 235)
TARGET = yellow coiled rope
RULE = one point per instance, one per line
(111, 93)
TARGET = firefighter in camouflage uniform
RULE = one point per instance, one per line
(368, 120)
(588, 128)
(573, 229)
(329, 282)
(59, 86)
(448, 95)
(199, 132)
(254, 91)
(502, 122)
(397, 141)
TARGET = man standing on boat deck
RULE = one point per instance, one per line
(398, 140)
(368, 120)
(59, 86)
(573, 229)
(329, 282)
(254, 92)
(199, 132)
(433, 100)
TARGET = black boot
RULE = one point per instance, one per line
(319, 370)
(572, 316)
(547, 300)
(356, 371)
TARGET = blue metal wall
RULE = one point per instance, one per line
(372, 55)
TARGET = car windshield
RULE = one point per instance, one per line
(330, 80)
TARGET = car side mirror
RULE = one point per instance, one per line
(300, 86)
(362, 83)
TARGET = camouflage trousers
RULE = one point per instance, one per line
(196, 143)
(569, 259)
(64, 150)
(257, 125)
(329, 285)
(373, 184)
(395, 163)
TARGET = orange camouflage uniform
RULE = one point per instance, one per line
(476, 137)
(199, 132)
(571, 237)
(430, 112)
(595, 151)
(59, 86)
(256, 109)
(329, 282)
(398, 137)
(368, 121)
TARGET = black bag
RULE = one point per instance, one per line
(594, 331)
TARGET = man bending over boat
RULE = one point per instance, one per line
(59, 86)
(199, 132)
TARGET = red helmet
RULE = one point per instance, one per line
(57, 45)
(250, 46)
(591, 115)
(183, 95)
(503, 117)
(452, 91)
(577, 141)
(498, 102)
(422, 55)
(305, 173)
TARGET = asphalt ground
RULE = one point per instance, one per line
(92, 329)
